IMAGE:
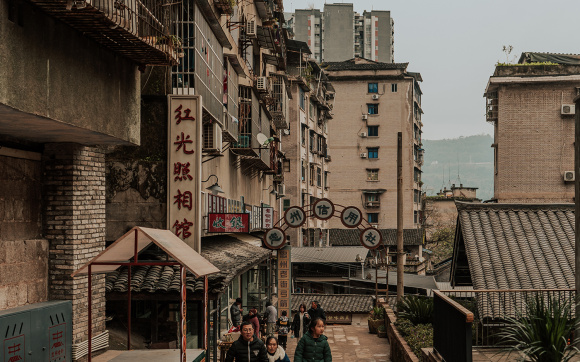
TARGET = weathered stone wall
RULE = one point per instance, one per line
(74, 198)
(23, 255)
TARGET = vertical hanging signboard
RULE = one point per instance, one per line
(184, 168)
(284, 290)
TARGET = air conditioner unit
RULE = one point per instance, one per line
(363, 134)
(363, 155)
(568, 109)
(569, 176)
(281, 190)
(262, 84)
(376, 97)
(251, 28)
(365, 117)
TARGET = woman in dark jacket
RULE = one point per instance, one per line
(313, 347)
(300, 322)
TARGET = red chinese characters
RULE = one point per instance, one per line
(186, 117)
(182, 228)
(184, 199)
(181, 171)
(182, 142)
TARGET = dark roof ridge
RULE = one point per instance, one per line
(462, 205)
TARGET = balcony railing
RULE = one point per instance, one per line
(491, 308)
(136, 29)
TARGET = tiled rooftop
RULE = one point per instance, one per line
(351, 237)
(335, 303)
(361, 64)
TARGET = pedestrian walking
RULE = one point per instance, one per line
(275, 352)
(236, 312)
(248, 348)
(253, 318)
(313, 346)
(316, 311)
(271, 316)
(283, 324)
(300, 322)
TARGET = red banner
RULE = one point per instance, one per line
(229, 223)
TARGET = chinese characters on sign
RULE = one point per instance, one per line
(274, 238)
(371, 238)
(284, 279)
(342, 318)
(228, 223)
(184, 165)
(267, 217)
(351, 217)
(57, 335)
(295, 216)
(14, 349)
(323, 209)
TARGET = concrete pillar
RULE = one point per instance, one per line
(74, 225)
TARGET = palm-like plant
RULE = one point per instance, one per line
(419, 310)
(542, 332)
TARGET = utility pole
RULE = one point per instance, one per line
(577, 214)
(400, 251)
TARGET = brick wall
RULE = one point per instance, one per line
(74, 198)
(23, 255)
(535, 143)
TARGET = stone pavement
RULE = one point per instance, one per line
(351, 343)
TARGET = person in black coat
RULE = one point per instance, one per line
(316, 311)
(248, 348)
(300, 322)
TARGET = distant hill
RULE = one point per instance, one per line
(473, 156)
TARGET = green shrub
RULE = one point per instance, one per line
(417, 336)
(381, 328)
(542, 332)
(377, 313)
(419, 310)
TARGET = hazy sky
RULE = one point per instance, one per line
(455, 44)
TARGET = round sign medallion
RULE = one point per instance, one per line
(323, 209)
(371, 238)
(275, 238)
(295, 216)
(351, 217)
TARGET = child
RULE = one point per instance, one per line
(313, 346)
(283, 329)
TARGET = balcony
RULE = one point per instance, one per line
(136, 29)
(372, 204)
(278, 106)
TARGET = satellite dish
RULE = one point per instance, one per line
(262, 138)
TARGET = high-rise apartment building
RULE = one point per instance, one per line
(532, 109)
(373, 102)
(338, 33)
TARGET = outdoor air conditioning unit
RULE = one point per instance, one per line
(363, 155)
(569, 176)
(251, 28)
(376, 97)
(363, 134)
(281, 190)
(568, 109)
(262, 84)
(365, 117)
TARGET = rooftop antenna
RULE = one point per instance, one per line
(458, 178)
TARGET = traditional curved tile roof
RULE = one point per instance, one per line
(351, 237)
(335, 303)
(230, 255)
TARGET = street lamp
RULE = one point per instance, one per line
(273, 192)
(362, 265)
(215, 188)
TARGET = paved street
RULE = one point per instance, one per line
(351, 343)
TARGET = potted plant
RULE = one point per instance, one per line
(376, 319)
(382, 331)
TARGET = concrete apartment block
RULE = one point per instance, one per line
(75, 227)
(357, 177)
(338, 34)
(533, 135)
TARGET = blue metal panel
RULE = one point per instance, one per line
(15, 336)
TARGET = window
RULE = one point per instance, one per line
(312, 175)
(373, 131)
(373, 217)
(394, 87)
(416, 217)
(312, 110)
(372, 197)
(303, 135)
(303, 171)
(286, 204)
(318, 177)
(417, 175)
(373, 87)
(325, 179)
(373, 108)
(312, 142)
(373, 152)
(372, 174)
(301, 97)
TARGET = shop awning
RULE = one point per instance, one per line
(139, 238)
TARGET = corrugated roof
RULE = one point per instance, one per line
(351, 237)
(230, 255)
(361, 64)
(335, 303)
(559, 58)
(514, 246)
(328, 254)
(298, 46)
